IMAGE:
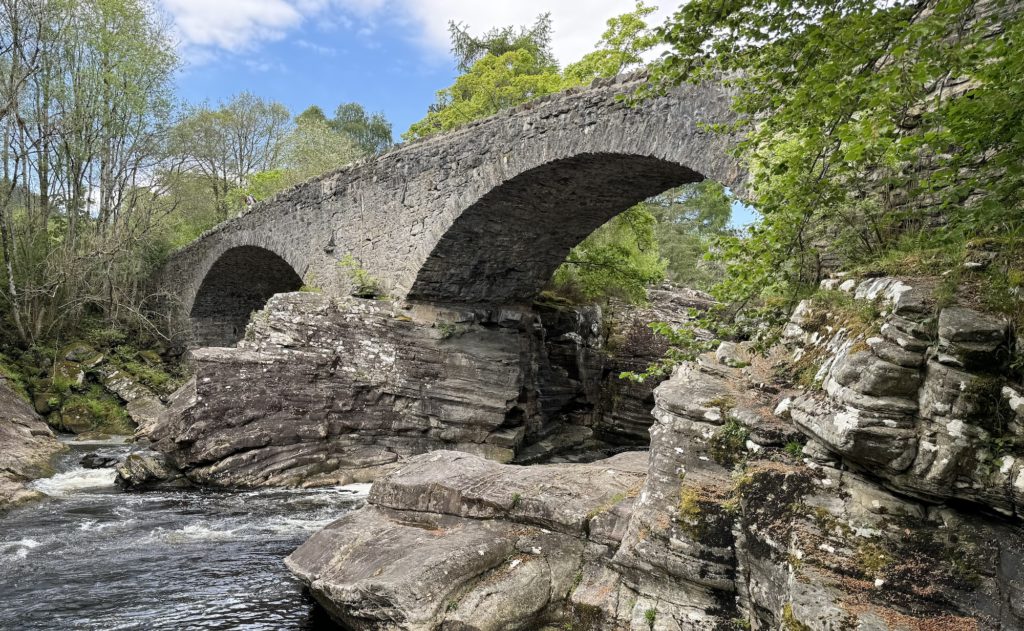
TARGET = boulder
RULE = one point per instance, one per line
(454, 541)
(143, 405)
(972, 339)
(101, 459)
(27, 447)
(562, 498)
(147, 469)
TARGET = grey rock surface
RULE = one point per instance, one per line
(27, 445)
(326, 391)
(920, 406)
(451, 540)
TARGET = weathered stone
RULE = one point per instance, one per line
(144, 407)
(563, 498)
(26, 447)
(931, 429)
(856, 434)
(868, 374)
(455, 541)
(147, 469)
(412, 220)
(325, 391)
(894, 354)
(82, 354)
(100, 459)
(732, 354)
(973, 339)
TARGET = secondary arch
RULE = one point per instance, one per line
(239, 282)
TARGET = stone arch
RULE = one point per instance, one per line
(238, 282)
(505, 246)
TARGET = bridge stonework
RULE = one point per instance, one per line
(479, 216)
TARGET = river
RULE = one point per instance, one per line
(91, 557)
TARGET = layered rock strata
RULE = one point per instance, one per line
(453, 540)
(27, 445)
(919, 398)
(324, 391)
(737, 523)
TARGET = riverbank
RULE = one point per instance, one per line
(88, 556)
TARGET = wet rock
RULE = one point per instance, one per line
(27, 445)
(100, 459)
(147, 469)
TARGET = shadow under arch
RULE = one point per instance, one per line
(504, 247)
(239, 282)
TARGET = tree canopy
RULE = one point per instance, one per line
(845, 103)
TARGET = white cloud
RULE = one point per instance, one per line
(231, 25)
(204, 26)
(326, 51)
(578, 24)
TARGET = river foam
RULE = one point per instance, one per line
(75, 480)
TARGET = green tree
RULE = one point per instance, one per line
(619, 259)
(846, 102)
(227, 145)
(690, 220)
(621, 47)
(535, 40)
(370, 132)
(493, 83)
(85, 94)
(312, 148)
(313, 113)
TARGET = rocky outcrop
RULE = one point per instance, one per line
(733, 526)
(454, 540)
(585, 351)
(919, 399)
(324, 391)
(27, 445)
(731, 522)
(144, 470)
(143, 405)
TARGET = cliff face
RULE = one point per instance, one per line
(324, 392)
(26, 447)
(732, 522)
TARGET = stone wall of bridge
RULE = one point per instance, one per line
(481, 215)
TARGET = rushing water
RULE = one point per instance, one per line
(91, 557)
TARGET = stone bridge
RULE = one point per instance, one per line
(479, 216)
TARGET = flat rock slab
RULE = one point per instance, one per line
(560, 497)
(377, 568)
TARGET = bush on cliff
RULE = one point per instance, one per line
(891, 143)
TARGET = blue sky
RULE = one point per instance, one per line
(389, 55)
